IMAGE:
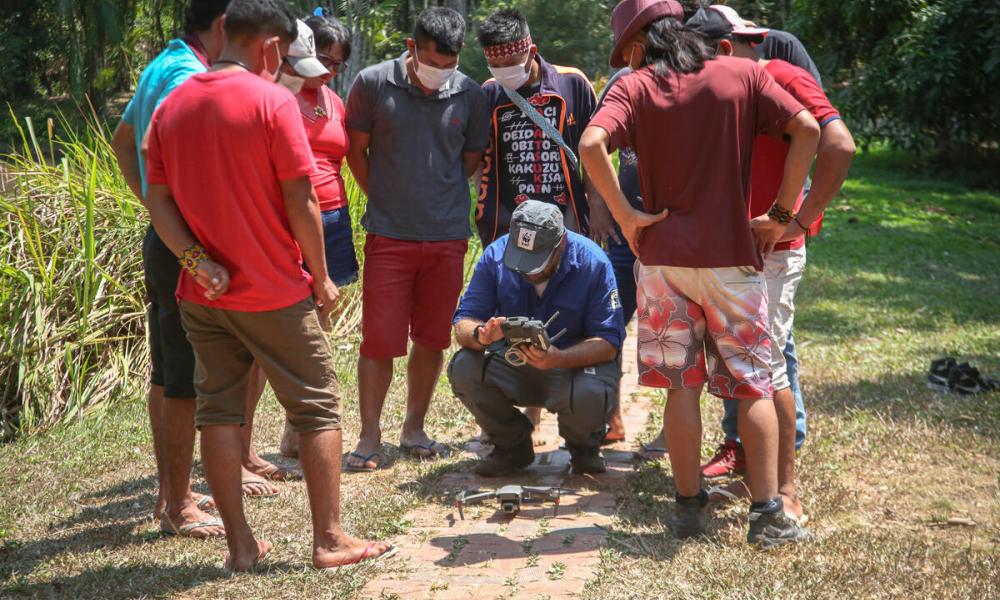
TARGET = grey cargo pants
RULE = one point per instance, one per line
(492, 389)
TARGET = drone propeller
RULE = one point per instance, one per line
(548, 490)
(470, 497)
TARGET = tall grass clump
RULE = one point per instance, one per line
(72, 299)
(71, 286)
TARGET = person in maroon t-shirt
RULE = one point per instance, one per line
(783, 268)
(700, 293)
(229, 193)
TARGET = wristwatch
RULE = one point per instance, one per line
(475, 334)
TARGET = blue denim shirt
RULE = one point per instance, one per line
(583, 291)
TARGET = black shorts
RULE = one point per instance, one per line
(169, 350)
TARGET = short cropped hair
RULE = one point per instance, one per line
(443, 26)
(198, 16)
(248, 19)
(502, 27)
(328, 31)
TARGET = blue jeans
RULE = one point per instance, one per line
(338, 238)
(729, 419)
(623, 261)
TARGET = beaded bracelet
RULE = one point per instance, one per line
(781, 215)
(193, 256)
(799, 223)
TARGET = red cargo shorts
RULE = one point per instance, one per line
(409, 290)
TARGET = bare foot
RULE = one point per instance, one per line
(348, 551)
(254, 486)
(366, 455)
(191, 521)
(203, 501)
(420, 445)
(200, 500)
(245, 561)
(270, 471)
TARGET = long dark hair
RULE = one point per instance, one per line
(674, 49)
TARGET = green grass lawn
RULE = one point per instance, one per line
(906, 270)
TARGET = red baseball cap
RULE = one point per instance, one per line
(631, 16)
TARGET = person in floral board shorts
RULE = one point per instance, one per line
(702, 301)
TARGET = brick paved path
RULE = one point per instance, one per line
(534, 554)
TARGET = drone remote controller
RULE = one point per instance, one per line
(521, 332)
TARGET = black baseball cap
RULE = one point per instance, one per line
(709, 23)
(719, 22)
(535, 232)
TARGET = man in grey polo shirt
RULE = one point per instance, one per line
(417, 129)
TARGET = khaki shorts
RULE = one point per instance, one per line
(292, 350)
(782, 274)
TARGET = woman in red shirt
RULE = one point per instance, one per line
(323, 116)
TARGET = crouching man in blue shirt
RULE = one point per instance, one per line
(539, 270)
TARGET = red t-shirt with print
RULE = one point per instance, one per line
(323, 117)
(693, 134)
(769, 154)
(222, 142)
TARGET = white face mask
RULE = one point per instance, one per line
(292, 82)
(431, 77)
(512, 78)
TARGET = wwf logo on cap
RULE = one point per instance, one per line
(526, 239)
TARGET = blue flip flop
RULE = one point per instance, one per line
(364, 461)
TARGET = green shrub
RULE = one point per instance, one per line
(72, 292)
(924, 75)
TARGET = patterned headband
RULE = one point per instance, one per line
(501, 51)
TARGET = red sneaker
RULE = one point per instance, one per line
(728, 459)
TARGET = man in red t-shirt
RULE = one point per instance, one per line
(783, 268)
(699, 290)
(229, 193)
